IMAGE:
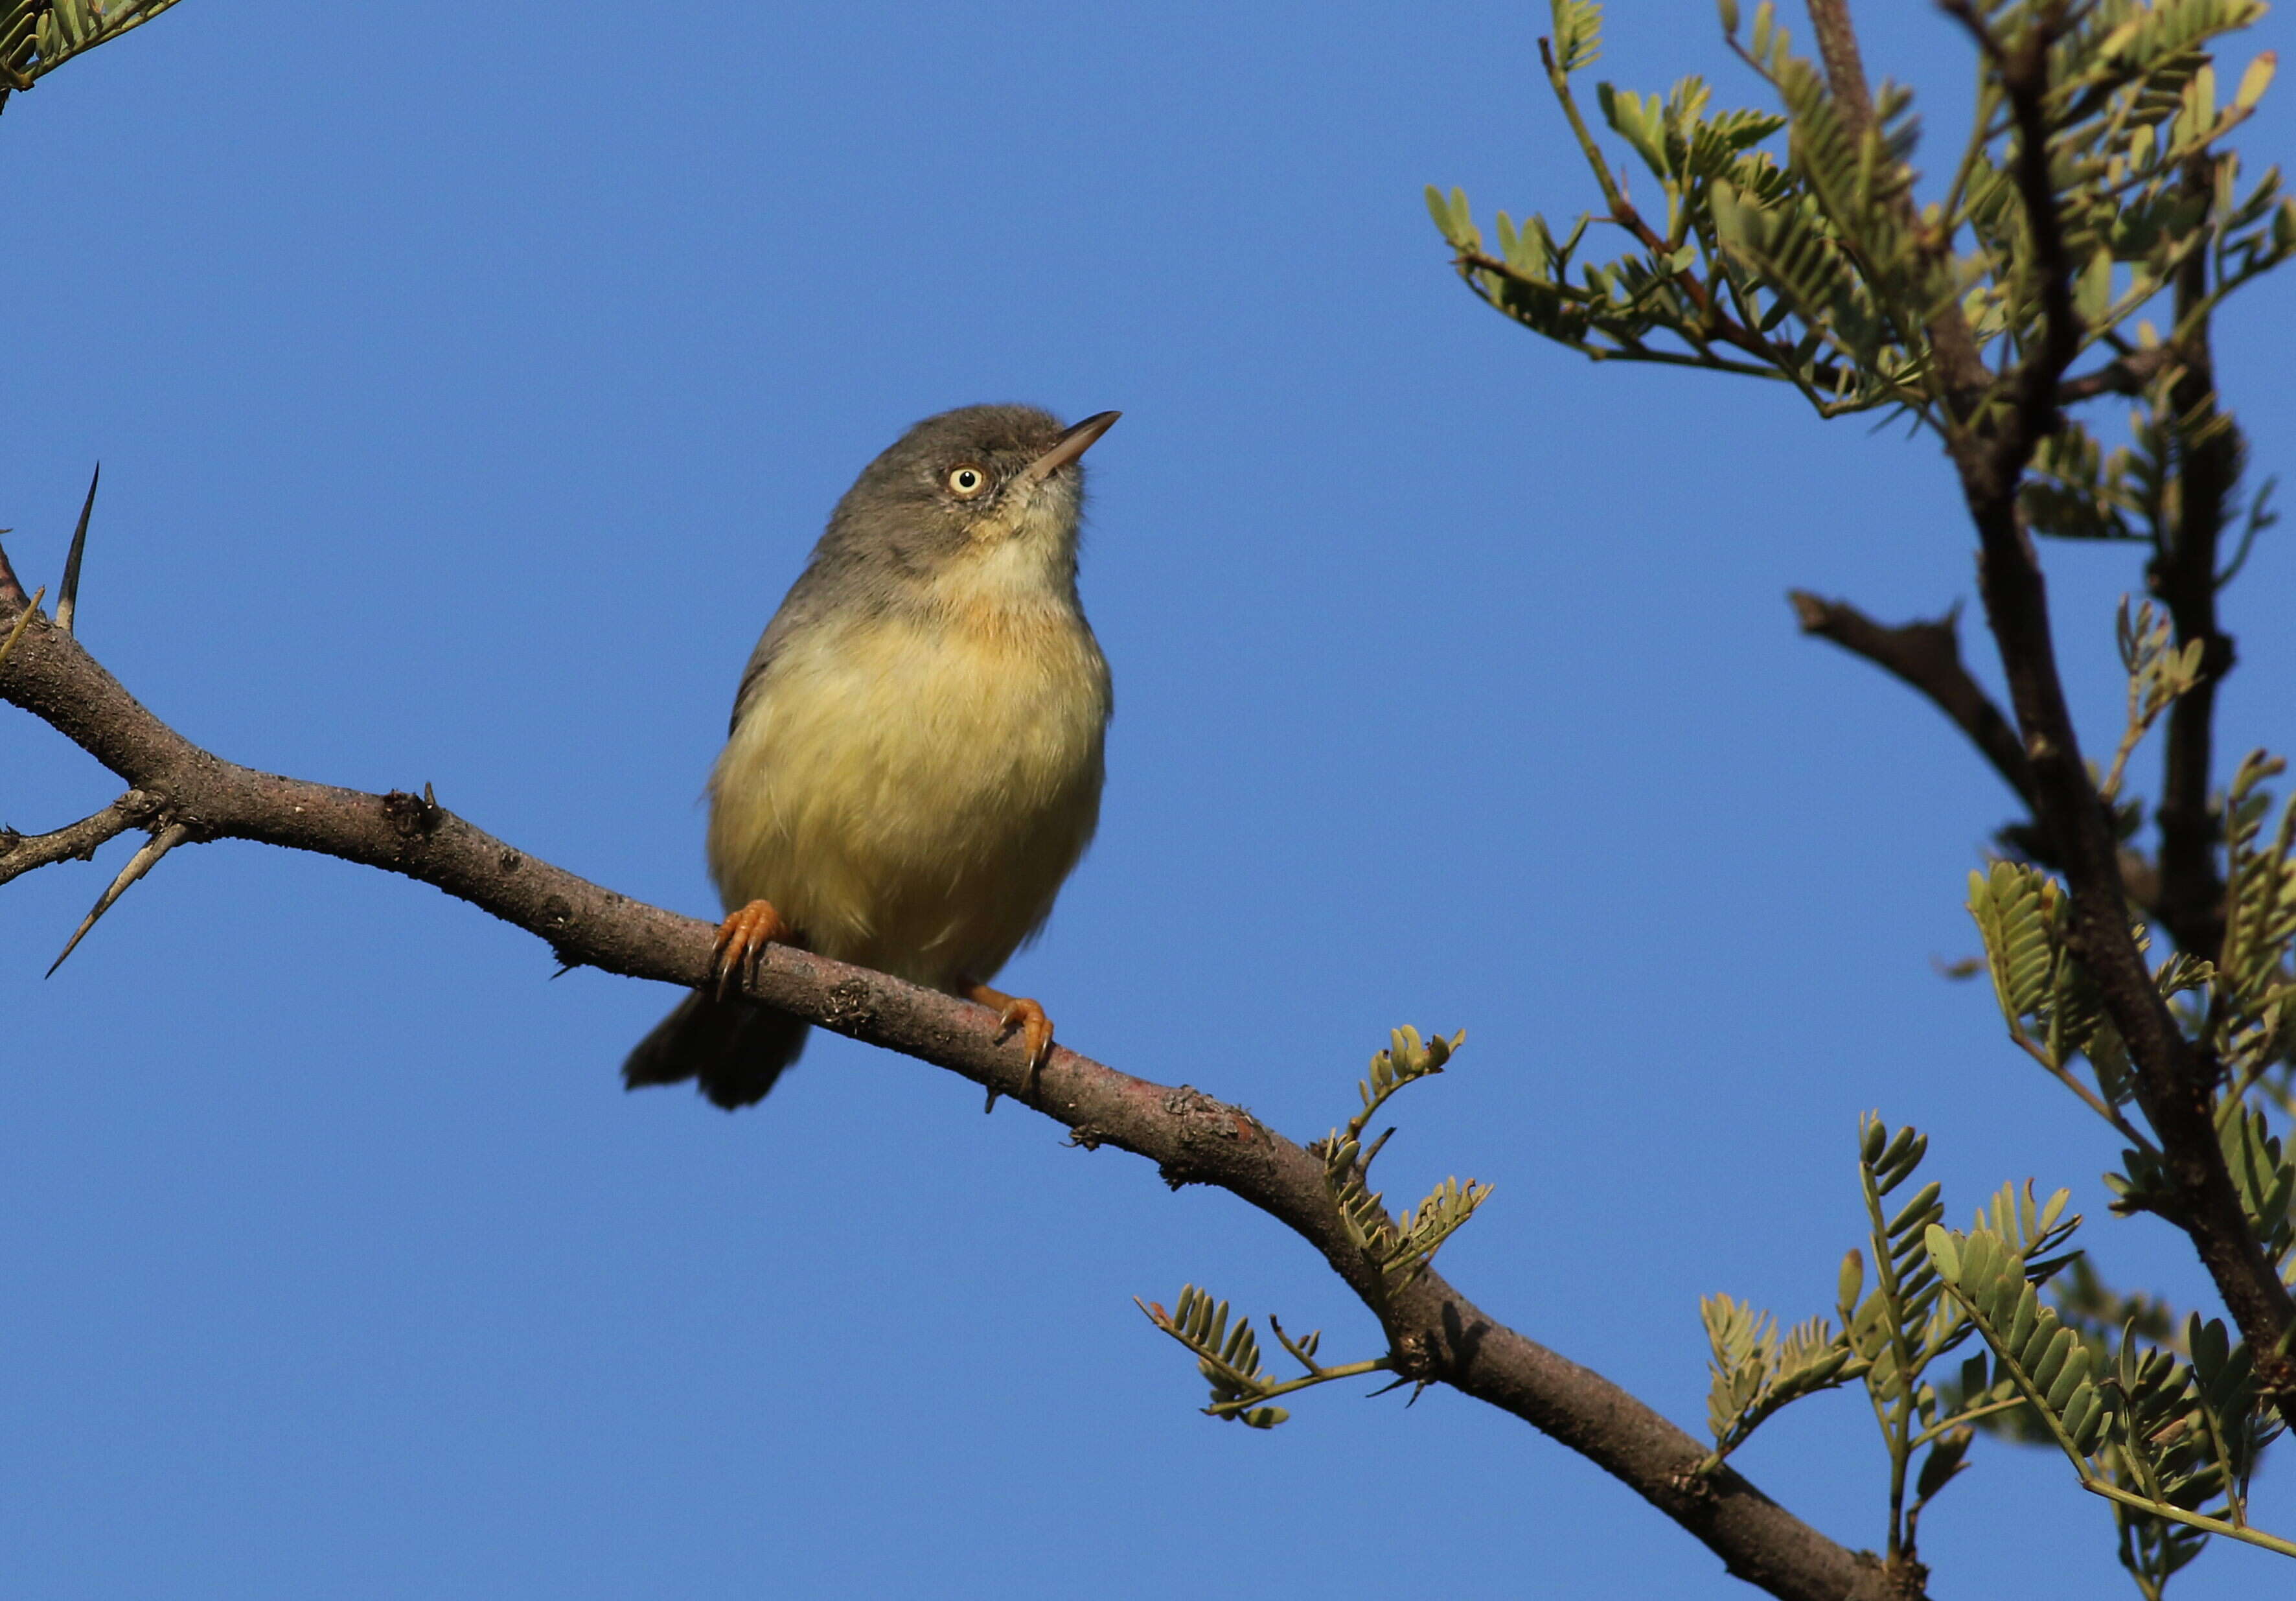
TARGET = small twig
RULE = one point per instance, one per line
(1985, 39)
(2129, 376)
(1371, 1152)
(1623, 214)
(1926, 655)
(21, 853)
(2095, 1102)
(138, 864)
(1845, 73)
(68, 598)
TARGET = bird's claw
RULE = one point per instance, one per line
(1018, 1012)
(742, 940)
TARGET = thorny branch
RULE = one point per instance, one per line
(1435, 1334)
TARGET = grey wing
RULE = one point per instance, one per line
(753, 674)
(795, 609)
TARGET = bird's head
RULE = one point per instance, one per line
(1001, 483)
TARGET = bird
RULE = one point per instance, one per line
(917, 748)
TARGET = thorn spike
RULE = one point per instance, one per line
(68, 598)
(23, 621)
(138, 864)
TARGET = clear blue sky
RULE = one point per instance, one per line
(469, 382)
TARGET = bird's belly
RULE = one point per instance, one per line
(911, 797)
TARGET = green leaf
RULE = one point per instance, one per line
(1578, 34)
(2255, 81)
(1943, 1251)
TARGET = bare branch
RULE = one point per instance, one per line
(1435, 1334)
(1926, 655)
(21, 853)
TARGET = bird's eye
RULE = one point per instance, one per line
(967, 481)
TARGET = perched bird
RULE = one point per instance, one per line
(915, 758)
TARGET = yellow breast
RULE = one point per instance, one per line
(910, 791)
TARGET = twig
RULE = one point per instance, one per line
(1719, 328)
(1435, 1334)
(20, 853)
(2129, 375)
(1960, 365)
(1845, 71)
(1926, 655)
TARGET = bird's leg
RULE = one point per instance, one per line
(741, 939)
(1017, 1011)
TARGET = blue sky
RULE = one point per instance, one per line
(469, 382)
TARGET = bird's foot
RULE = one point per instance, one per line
(742, 940)
(1017, 1012)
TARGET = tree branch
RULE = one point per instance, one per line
(1961, 370)
(20, 853)
(2174, 1083)
(1435, 1334)
(1926, 655)
(1845, 68)
(2184, 574)
(2129, 374)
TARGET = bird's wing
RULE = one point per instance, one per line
(796, 608)
(754, 674)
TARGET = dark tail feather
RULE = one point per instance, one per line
(737, 1048)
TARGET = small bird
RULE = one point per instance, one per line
(917, 753)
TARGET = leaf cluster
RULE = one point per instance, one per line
(37, 37)
(2239, 1008)
(1754, 1372)
(2170, 1441)
(1396, 1250)
(1821, 265)
(1228, 1355)
(1891, 1334)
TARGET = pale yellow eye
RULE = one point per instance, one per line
(967, 481)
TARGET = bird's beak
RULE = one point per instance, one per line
(1072, 443)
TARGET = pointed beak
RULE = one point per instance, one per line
(1072, 443)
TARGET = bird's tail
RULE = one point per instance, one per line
(735, 1047)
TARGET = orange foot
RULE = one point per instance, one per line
(1016, 1011)
(742, 940)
